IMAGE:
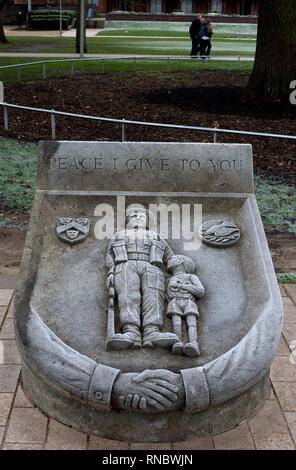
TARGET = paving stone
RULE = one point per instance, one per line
(291, 290)
(2, 430)
(202, 443)
(2, 314)
(287, 302)
(26, 425)
(283, 290)
(238, 438)
(99, 443)
(151, 446)
(7, 331)
(289, 314)
(274, 442)
(21, 401)
(283, 348)
(23, 447)
(270, 420)
(286, 394)
(289, 332)
(10, 310)
(61, 437)
(11, 353)
(271, 394)
(291, 420)
(5, 296)
(5, 404)
(282, 370)
(8, 378)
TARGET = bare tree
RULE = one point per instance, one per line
(2, 34)
(275, 61)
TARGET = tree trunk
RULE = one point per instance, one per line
(275, 61)
(2, 34)
(78, 10)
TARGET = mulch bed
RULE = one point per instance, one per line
(208, 99)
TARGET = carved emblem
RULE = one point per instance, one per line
(219, 233)
(73, 230)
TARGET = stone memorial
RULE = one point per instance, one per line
(147, 307)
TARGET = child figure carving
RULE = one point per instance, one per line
(184, 288)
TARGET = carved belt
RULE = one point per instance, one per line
(138, 256)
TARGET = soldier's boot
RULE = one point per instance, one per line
(153, 338)
(129, 339)
(191, 349)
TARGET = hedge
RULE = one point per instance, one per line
(50, 19)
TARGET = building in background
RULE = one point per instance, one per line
(228, 7)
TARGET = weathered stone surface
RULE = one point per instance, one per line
(61, 298)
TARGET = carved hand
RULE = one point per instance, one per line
(158, 394)
(164, 377)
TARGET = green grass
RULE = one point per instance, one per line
(105, 45)
(276, 204)
(158, 32)
(61, 69)
(287, 278)
(17, 175)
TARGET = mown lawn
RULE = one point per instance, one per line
(60, 69)
(113, 45)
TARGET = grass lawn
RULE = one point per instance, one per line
(18, 175)
(105, 45)
(158, 32)
(60, 69)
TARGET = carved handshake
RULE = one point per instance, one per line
(159, 390)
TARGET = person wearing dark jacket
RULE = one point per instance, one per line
(194, 30)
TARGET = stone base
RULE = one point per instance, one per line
(141, 427)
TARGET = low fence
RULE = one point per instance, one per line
(134, 59)
(124, 122)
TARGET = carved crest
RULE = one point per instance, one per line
(73, 230)
(219, 233)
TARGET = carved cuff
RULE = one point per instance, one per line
(196, 389)
(100, 387)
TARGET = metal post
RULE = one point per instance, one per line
(123, 131)
(81, 28)
(19, 74)
(61, 23)
(215, 136)
(168, 64)
(135, 64)
(53, 133)
(103, 69)
(44, 70)
(5, 118)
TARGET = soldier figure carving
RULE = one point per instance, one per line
(135, 278)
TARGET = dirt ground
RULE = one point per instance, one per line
(205, 99)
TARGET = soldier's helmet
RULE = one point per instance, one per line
(181, 260)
